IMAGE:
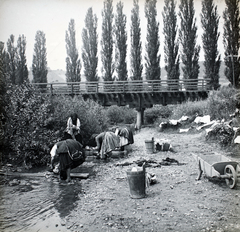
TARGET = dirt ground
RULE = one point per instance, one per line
(177, 202)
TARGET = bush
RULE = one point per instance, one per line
(190, 109)
(158, 111)
(92, 116)
(222, 133)
(129, 115)
(115, 114)
(24, 130)
(222, 103)
(35, 122)
(120, 114)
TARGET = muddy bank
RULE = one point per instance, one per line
(177, 202)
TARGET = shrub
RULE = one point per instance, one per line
(222, 103)
(129, 115)
(35, 122)
(190, 109)
(24, 130)
(115, 114)
(92, 116)
(120, 114)
(158, 111)
(222, 133)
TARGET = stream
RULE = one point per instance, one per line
(36, 204)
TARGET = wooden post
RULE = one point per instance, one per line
(140, 112)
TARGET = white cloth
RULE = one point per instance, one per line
(70, 126)
(53, 150)
(237, 139)
(204, 119)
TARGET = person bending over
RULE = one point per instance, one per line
(106, 142)
(64, 152)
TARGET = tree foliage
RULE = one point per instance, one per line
(121, 43)
(188, 37)
(136, 45)
(3, 68)
(39, 65)
(231, 41)
(11, 59)
(2, 91)
(21, 63)
(171, 45)
(90, 46)
(153, 70)
(107, 41)
(73, 65)
(212, 59)
(25, 134)
(34, 122)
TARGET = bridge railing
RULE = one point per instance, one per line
(139, 86)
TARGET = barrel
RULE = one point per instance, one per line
(149, 144)
(137, 184)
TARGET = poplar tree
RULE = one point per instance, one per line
(188, 37)
(22, 70)
(39, 65)
(90, 46)
(11, 59)
(171, 43)
(121, 43)
(3, 75)
(73, 65)
(2, 91)
(231, 41)
(136, 45)
(107, 41)
(152, 65)
(212, 59)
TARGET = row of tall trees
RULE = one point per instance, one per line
(180, 45)
(14, 67)
(14, 61)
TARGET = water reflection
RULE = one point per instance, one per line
(36, 202)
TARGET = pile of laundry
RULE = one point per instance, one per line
(223, 133)
(176, 124)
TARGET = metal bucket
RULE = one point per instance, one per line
(149, 144)
(137, 183)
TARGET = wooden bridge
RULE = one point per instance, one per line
(146, 92)
(138, 94)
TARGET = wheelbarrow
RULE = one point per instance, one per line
(219, 166)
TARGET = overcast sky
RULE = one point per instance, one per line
(26, 17)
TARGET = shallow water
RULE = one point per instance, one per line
(36, 204)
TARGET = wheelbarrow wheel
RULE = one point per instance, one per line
(232, 180)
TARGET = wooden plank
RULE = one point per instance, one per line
(41, 174)
(79, 175)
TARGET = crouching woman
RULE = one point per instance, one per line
(69, 154)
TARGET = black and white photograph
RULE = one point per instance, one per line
(119, 115)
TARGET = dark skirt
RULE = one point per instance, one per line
(66, 162)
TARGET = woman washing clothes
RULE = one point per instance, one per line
(106, 142)
(73, 128)
(126, 137)
(62, 152)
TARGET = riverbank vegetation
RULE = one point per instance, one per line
(32, 122)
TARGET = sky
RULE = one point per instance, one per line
(26, 17)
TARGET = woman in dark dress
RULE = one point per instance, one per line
(63, 152)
